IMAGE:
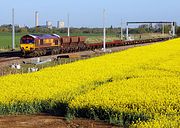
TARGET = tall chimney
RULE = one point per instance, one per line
(36, 18)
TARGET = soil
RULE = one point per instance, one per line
(46, 121)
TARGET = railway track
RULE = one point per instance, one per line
(8, 59)
(10, 54)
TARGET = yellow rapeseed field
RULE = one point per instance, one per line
(139, 87)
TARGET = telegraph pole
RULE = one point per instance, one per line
(68, 25)
(104, 32)
(13, 31)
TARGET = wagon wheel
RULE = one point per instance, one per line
(41, 53)
(23, 54)
(57, 51)
(35, 54)
(53, 52)
(44, 52)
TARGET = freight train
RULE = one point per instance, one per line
(42, 44)
(34, 45)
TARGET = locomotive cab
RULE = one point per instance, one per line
(27, 43)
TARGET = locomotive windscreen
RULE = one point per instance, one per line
(27, 40)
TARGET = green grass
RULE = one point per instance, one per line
(6, 40)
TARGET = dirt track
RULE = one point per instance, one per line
(45, 121)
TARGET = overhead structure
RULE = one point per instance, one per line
(13, 31)
(121, 29)
(173, 26)
(104, 32)
(163, 29)
(68, 25)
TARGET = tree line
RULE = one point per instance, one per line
(145, 28)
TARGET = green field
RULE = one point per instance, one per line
(6, 38)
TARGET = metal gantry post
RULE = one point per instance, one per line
(163, 28)
(104, 32)
(174, 28)
(13, 30)
(121, 30)
(68, 25)
(127, 31)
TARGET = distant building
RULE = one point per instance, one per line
(21, 26)
(60, 24)
(49, 24)
(42, 26)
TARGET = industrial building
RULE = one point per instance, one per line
(49, 24)
(60, 24)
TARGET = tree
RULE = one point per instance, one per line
(23, 30)
(143, 28)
